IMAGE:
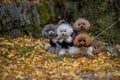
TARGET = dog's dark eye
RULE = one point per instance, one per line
(79, 40)
(64, 30)
(52, 30)
(83, 40)
(47, 30)
(79, 24)
(83, 24)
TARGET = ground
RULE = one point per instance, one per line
(24, 58)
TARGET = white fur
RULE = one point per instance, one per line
(46, 46)
(83, 50)
(69, 39)
(62, 51)
(89, 51)
(63, 27)
(51, 49)
(73, 50)
(54, 40)
(67, 30)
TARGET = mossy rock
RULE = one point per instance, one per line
(33, 30)
(45, 11)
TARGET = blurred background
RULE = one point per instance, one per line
(28, 17)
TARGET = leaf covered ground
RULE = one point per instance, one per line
(24, 58)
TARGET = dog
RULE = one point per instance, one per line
(81, 25)
(62, 22)
(64, 32)
(86, 46)
(49, 32)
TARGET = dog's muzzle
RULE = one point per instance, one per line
(64, 36)
(51, 33)
(82, 26)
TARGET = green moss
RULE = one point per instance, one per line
(45, 10)
(72, 12)
(101, 16)
(32, 29)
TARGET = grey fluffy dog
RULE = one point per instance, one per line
(49, 32)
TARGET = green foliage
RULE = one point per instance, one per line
(4, 55)
(24, 50)
(33, 30)
(72, 12)
(45, 10)
(101, 15)
(115, 57)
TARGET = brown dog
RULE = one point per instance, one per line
(86, 45)
(81, 25)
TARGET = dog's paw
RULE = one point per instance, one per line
(51, 49)
(46, 46)
(96, 51)
(62, 52)
(73, 50)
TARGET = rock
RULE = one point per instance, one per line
(110, 48)
(17, 15)
(113, 49)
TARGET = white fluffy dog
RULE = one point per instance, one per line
(64, 32)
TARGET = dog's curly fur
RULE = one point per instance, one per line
(87, 41)
(64, 32)
(86, 45)
(81, 25)
(97, 47)
(49, 32)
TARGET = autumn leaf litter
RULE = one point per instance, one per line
(24, 58)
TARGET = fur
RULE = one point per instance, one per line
(64, 32)
(81, 25)
(86, 45)
(62, 22)
(49, 32)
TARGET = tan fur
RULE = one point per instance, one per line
(85, 37)
(88, 42)
(97, 47)
(79, 21)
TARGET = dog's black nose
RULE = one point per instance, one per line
(63, 34)
(82, 25)
(51, 33)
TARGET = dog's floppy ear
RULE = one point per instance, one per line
(75, 42)
(55, 29)
(45, 34)
(71, 30)
(88, 41)
(87, 24)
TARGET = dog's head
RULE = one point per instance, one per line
(81, 25)
(62, 22)
(83, 40)
(49, 31)
(64, 30)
